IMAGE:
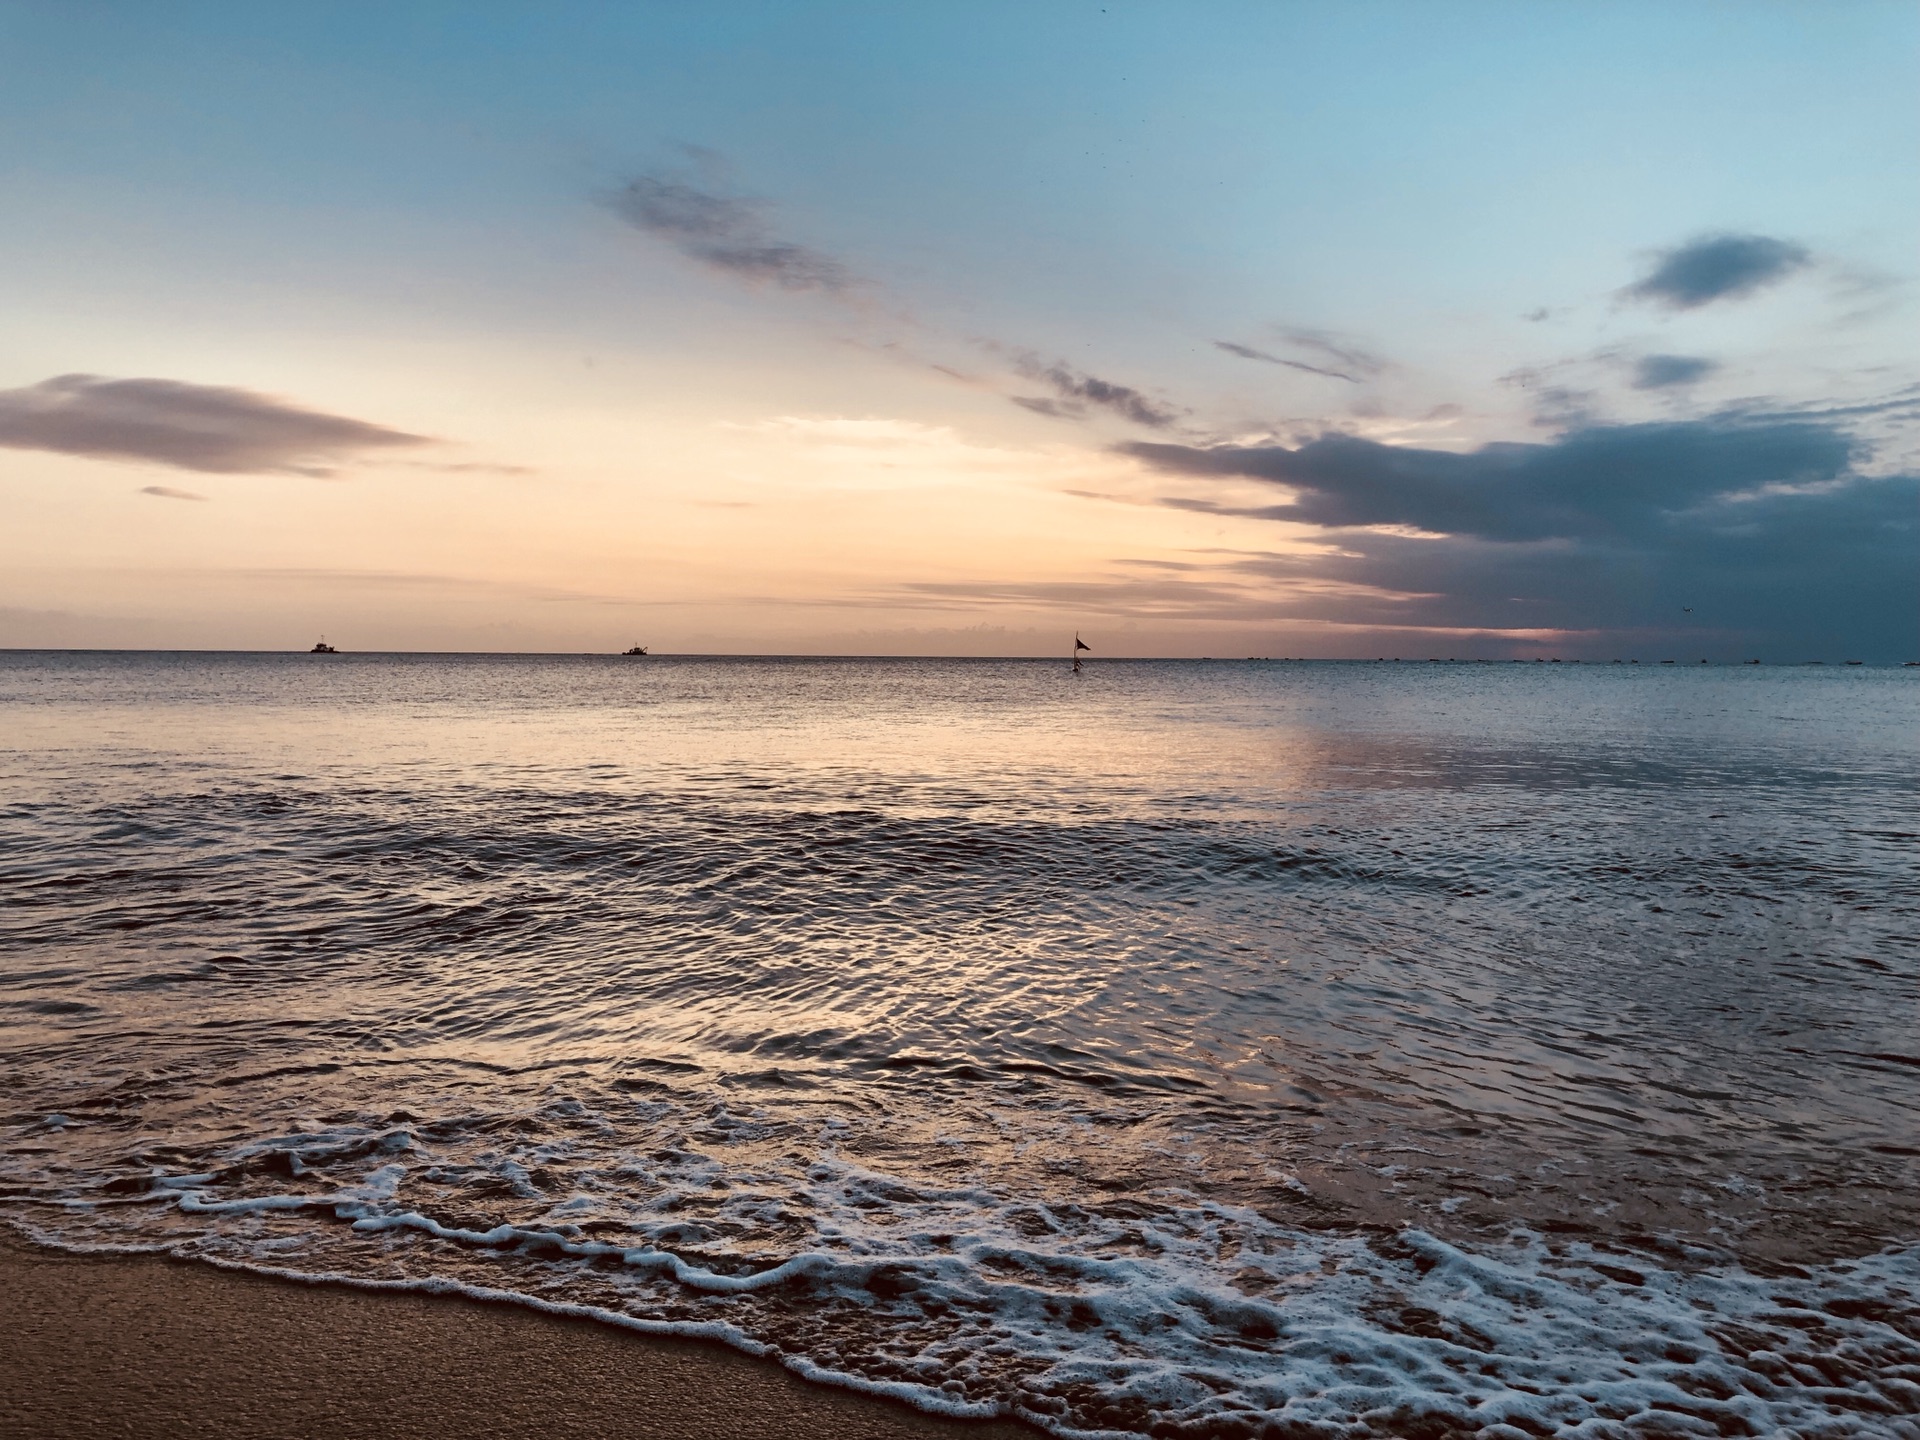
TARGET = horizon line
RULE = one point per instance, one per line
(1694, 662)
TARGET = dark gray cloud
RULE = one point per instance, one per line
(1661, 372)
(1767, 531)
(1605, 480)
(167, 492)
(1075, 393)
(1718, 267)
(726, 233)
(196, 427)
(1247, 352)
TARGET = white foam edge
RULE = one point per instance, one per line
(693, 1277)
(810, 1262)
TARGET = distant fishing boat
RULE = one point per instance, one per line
(323, 649)
(636, 650)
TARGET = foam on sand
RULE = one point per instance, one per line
(1182, 1316)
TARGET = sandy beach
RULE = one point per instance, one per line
(146, 1346)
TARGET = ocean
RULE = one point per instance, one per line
(1297, 1049)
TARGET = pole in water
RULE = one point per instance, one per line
(1078, 646)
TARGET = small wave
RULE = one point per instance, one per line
(1174, 1317)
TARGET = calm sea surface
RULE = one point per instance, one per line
(1303, 1049)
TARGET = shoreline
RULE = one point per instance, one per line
(151, 1345)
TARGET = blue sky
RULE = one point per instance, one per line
(996, 222)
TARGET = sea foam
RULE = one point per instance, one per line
(1167, 1315)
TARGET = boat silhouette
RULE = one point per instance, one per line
(636, 650)
(323, 649)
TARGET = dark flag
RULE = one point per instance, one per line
(1079, 644)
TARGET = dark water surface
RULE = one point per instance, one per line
(1185, 1048)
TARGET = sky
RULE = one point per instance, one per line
(1461, 329)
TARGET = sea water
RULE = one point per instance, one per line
(1176, 1048)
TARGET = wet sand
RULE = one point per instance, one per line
(145, 1346)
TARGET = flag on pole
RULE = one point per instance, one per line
(1079, 644)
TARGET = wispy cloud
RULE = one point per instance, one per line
(1337, 349)
(167, 492)
(1182, 592)
(214, 428)
(1247, 352)
(735, 235)
(727, 233)
(1075, 392)
(1902, 405)
(1718, 267)
(1052, 409)
(464, 467)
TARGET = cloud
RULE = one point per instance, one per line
(1052, 409)
(726, 233)
(1604, 480)
(1077, 391)
(1766, 529)
(734, 236)
(1660, 372)
(1161, 599)
(167, 492)
(1338, 359)
(1221, 592)
(211, 428)
(1343, 353)
(1718, 267)
(464, 467)
(1247, 352)
(1901, 404)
